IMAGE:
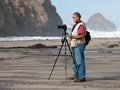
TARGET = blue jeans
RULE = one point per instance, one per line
(78, 63)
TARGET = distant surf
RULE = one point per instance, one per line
(94, 34)
(103, 34)
(27, 38)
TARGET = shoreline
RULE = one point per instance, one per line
(95, 43)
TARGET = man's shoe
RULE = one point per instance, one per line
(79, 80)
(71, 78)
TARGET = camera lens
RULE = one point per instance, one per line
(62, 27)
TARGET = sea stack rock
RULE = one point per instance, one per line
(99, 23)
(28, 18)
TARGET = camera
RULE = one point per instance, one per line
(62, 27)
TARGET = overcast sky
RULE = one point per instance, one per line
(108, 8)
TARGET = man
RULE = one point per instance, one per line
(78, 46)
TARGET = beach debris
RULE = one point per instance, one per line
(110, 45)
(8, 58)
(113, 46)
(41, 46)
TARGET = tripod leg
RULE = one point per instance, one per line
(69, 47)
(56, 60)
(65, 58)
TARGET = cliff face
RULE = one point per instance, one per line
(99, 23)
(28, 18)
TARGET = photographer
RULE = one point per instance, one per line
(78, 46)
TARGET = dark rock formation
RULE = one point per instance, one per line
(28, 18)
(100, 23)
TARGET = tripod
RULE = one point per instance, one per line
(64, 41)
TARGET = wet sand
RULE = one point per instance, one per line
(28, 69)
(98, 43)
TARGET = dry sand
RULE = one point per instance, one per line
(28, 69)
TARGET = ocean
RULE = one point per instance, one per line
(94, 34)
(103, 34)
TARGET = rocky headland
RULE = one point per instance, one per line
(28, 18)
(98, 22)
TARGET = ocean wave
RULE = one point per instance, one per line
(103, 34)
(94, 34)
(26, 38)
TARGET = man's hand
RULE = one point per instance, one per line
(71, 36)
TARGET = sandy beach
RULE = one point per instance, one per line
(24, 68)
(95, 43)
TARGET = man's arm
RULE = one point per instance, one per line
(77, 37)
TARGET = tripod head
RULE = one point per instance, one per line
(64, 27)
(64, 35)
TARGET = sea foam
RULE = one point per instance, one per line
(94, 34)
